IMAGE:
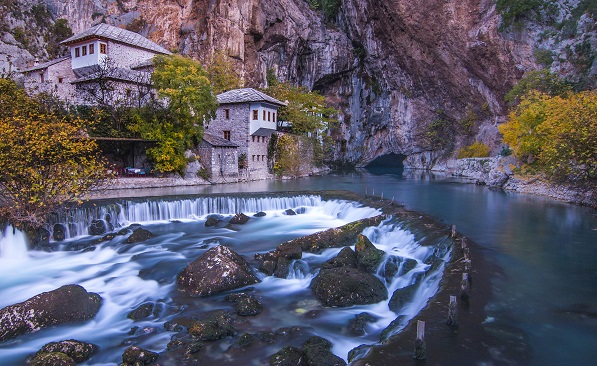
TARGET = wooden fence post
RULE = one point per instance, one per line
(452, 312)
(464, 287)
(420, 347)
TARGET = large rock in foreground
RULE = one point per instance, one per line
(217, 270)
(67, 304)
(345, 286)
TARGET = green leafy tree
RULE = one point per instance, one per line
(307, 111)
(45, 160)
(539, 80)
(186, 100)
(222, 74)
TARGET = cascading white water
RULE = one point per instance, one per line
(128, 276)
(13, 244)
(133, 211)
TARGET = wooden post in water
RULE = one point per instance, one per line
(467, 265)
(464, 287)
(420, 346)
(452, 231)
(452, 312)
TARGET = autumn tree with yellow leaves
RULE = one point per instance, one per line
(45, 160)
(557, 135)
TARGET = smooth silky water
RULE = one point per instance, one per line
(126, 276)
(543, 303)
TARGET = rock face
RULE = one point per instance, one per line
(390, 70)
(217, 270)
(347, 286)
(67, 304)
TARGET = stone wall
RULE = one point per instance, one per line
(127, 56)
(57, 79)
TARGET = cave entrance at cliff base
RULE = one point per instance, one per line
(387, 164)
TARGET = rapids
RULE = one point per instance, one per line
(127, 276)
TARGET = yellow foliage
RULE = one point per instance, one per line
(476, 150)
(558, 134)
(45, 160)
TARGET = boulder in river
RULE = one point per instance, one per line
(345, 286)
(214, 326)
(346, 258)
(368, 256)
(239, 219)
(213, 220)
(135, 356)
(401, 297)
(67, 304)
(217, 270)
(245, 304)
(98, 227)
(52, 359)
(78, 351)
(59, 232)
(140, 235)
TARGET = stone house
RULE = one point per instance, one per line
(102, 52)
(247, 118)
(220, 158)
(106, 65)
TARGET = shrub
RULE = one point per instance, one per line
(476, 150)
(203, 173)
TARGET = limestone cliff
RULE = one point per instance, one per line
(415, 77)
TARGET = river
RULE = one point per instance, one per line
(543, 252)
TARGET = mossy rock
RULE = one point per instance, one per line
(52, 359)
(78, 351)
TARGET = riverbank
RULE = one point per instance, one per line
(495, 173)
(501, 173)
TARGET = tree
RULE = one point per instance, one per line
(539, 80)
(175, 121)
(557, 134)
(45, 160)
(222, 74)
(307, 111)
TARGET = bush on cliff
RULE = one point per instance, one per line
(475, 150)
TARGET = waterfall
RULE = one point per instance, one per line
(13, 244)
(122, 213)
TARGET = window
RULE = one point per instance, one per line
(264, 115)
(253, 138)
(103, 48)
(77, 52)
(255, 115)
(227, 135)
(84, 50)
(274, 119)
(269, 116)
(263, 157)
(41, 77)
(91, 49)
(60, 80)
(253, 157)
(227, 113)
